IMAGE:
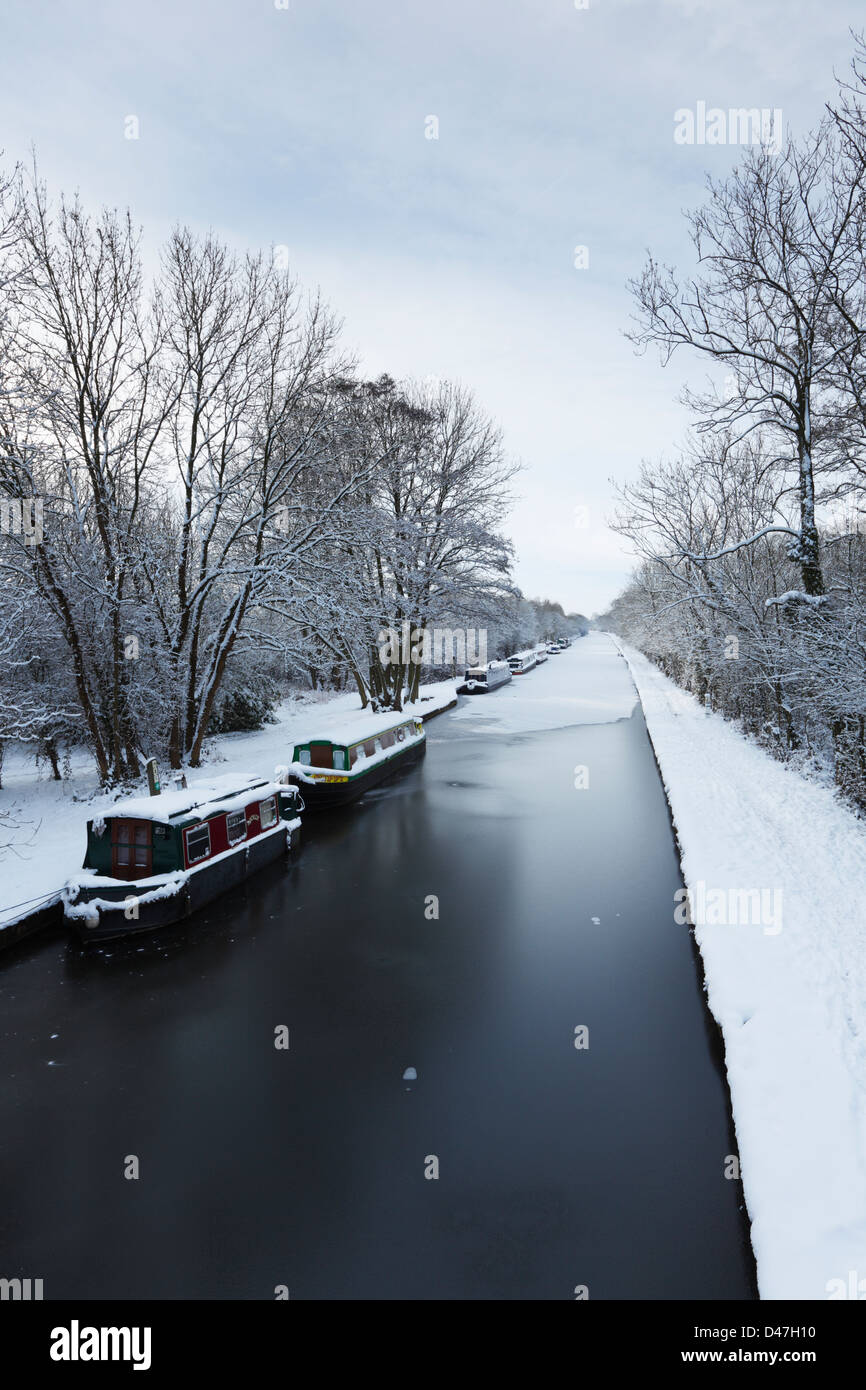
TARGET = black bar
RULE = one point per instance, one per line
(222, 1338)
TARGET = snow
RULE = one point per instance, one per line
(791, 1003)
(796, 596)
(169, 887)
(488, 666)
(364, 725)
(228, 792)
(587, 684)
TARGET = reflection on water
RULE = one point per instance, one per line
(305, 1166)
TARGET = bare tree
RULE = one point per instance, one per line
(776, 304)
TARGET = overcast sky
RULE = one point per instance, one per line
(307, 126)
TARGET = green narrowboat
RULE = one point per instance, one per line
(334, 770)
(153, 860)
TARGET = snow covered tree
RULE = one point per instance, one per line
(776, 304)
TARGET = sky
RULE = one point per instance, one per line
(432, 166)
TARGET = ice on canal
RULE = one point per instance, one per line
(587, 684)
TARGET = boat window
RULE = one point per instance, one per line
(198, 843)
(354, 754)
(236, 826)
(370, 747)
(387, 739)
(304, 756)
(141, 847)
(268, 811)
(339, 760)
(130, 848)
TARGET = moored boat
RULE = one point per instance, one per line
(479, 679)
(334, 770)
(540, 654)
(522, 662)
(153, 860)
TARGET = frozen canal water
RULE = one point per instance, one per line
(601, 1166)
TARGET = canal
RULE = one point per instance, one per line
(473, 920)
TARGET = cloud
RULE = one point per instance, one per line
(448, 257)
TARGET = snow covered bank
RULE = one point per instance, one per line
(587, 684)
(50, 842)
(791, 1003)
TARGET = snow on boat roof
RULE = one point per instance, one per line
(488, 666)
(364, 725)
(216, 790)
(521, 656)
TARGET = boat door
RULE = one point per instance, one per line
(131, 850)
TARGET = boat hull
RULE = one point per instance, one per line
(196, 892)
(324, 796)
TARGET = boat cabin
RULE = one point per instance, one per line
(147, 836)
(328, 755)
(483, 678)
(332, 771)
(522, 662)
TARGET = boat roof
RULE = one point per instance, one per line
(362, 726)
(228, 792)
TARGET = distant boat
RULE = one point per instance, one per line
(479, 679)
(541, 654)
(334, 770)
(522, 662)
(153, 860)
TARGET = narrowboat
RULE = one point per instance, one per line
(553, 649)
(540, 654)
(334, 770)
(479, 679)
(522, 662)
(153, 860)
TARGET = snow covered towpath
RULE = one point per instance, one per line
(776, 869)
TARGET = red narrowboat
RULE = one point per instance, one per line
(153, 860)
